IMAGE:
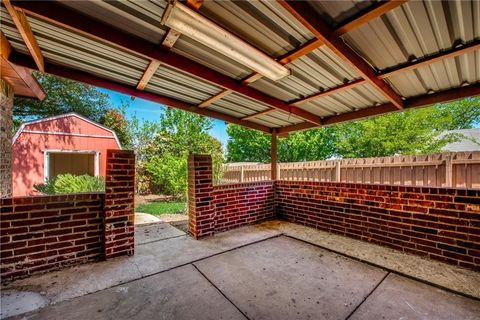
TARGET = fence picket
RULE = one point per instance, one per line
(455, 169)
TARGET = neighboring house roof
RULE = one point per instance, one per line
(71, 114)
(469, 142)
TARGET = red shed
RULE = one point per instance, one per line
(68, 143)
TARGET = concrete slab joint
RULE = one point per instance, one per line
(439, 223)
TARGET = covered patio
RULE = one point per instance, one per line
(271, 249)
(271, 270)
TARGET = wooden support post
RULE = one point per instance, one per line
(273, 151)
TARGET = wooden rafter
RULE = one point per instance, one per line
(214, 98)
(376, 10)
(20, 20)
(61, 71)
(307, 47)
(310, 19)
(148, 74)
(427, 60)
(172, 35)
(170, 38)
(414, 102)
(24, 84)
(364, 17)
(5, 47)
(251, 116)
(72, 20)
(349, 85)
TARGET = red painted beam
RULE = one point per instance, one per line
(373, 12)
(308, 17)
(69, 19)
(80, 76)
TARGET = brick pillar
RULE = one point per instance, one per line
(6, 123)
(201, 222)
(119, 203)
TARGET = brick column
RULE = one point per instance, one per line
(6, 122)
(201, 222)
(119, 203)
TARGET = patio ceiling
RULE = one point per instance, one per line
(347, 59)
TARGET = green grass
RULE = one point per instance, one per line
(159, 208)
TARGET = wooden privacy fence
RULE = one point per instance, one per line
(454, 169)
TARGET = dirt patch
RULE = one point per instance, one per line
(143, 199)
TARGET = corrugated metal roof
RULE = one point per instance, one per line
(264, 24)
(336, 12)
(141, 18)
(417, 29)
(449, 73)
(173, 83)
(11, 32)
(357, 98)
(200, 53)
(413, 30)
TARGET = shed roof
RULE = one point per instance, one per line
(348, 59)
(27, 124)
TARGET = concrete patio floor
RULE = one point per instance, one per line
(273, 270)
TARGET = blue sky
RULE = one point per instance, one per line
(147, 110)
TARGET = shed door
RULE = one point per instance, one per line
(74, 163)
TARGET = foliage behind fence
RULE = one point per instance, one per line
(454, 169)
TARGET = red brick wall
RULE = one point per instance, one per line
(200, 187)
(218, 208)
(240, 204)
(440, 223)
(119, 203)
(48, 232)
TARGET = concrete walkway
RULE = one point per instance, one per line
(143, 218)
(256, 272)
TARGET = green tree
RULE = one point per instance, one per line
(412, 131)
(62, 96)
(246, 145)
(164, 155)
(409, 132)
(116, 120)
(254, 146)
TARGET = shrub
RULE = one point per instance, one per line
(69, 183)
(169, 172)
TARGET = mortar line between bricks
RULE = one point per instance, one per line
(436, 285)
(220, 291)
(367, 296)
